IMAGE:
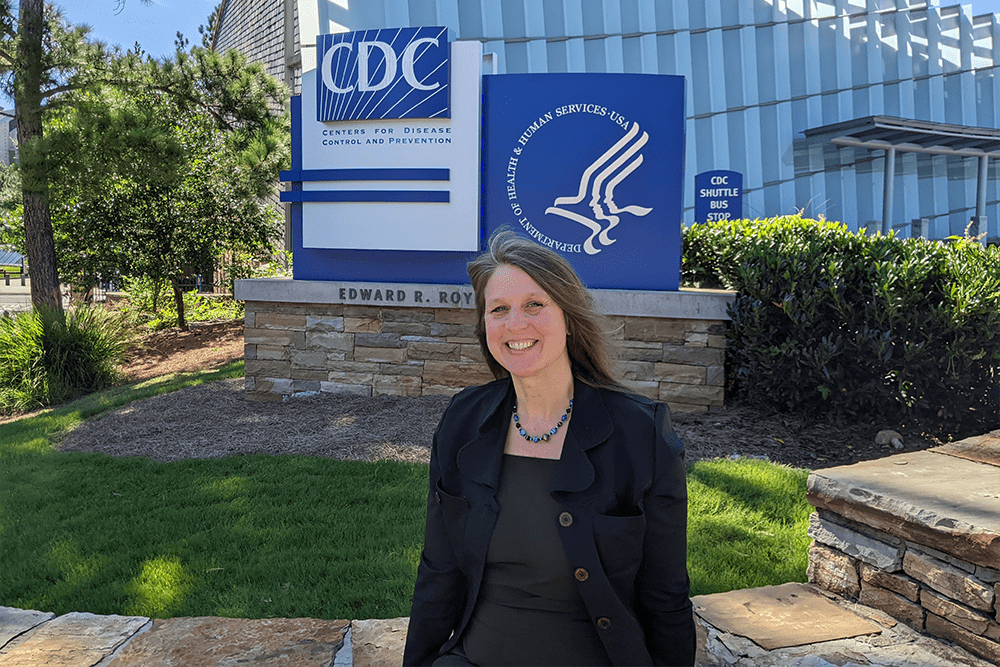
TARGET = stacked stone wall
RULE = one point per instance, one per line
(917, 584)
(292, 348)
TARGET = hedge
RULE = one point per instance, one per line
(831, 322)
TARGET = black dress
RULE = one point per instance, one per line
(529, 611)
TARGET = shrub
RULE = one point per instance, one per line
(48, 357)
(152, 304)
(827, 321)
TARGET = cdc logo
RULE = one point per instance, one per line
(383, 74)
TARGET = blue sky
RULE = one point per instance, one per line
(153, 26)
(978, 6)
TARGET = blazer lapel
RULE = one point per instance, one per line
(590, 426)
(480, 458)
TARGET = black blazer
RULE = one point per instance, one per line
(621, 484)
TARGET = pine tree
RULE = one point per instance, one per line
(162, 180)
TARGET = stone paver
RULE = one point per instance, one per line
(15, 622)
(940, 510)
(778, 616)
(76, 639)
(379, 643)
(233, 642)
(781, 616)
(982, 448)
(894, 645)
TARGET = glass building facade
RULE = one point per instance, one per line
(759, 73)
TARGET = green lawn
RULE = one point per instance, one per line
(262, 536)
(747, 523)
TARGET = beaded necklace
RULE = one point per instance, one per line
(552, 432)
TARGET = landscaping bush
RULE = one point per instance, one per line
(828, 321)
(47, 356)
(152, 305)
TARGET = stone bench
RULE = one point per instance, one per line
(916, 535)
(792, 625)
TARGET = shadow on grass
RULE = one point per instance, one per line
(248, 536)
(747, 525)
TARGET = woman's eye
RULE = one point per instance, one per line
(499, 309)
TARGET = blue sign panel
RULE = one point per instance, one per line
(382, 74)
(590, 165)
(718, 195)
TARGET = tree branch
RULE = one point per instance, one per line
(59, 89)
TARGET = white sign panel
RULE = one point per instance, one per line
(399, 184)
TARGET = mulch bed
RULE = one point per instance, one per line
(216, 419)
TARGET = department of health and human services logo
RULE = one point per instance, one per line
(590, 166)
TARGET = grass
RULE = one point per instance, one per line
(281, 536)
(747, 523)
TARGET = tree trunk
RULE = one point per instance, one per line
(28, 111)
(179, 302)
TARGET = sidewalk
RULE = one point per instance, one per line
(792, 625)
(15, 298)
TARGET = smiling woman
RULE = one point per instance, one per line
(557, 505)
(586, 334)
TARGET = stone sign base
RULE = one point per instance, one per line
(417, 340)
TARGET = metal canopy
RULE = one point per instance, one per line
(9, 258)
(891, 134)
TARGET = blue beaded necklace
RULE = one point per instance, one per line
(552, 432)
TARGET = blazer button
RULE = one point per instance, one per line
(604, 623)
(581, 574)
(565, 519)
(437, 497)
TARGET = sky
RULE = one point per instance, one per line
(153, 25)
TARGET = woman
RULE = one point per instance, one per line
(557, 509)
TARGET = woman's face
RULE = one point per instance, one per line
(525, 328)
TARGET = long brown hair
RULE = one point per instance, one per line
(587, 339)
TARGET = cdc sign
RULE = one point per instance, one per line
(378, 74)
(387, 159)
(385, 153)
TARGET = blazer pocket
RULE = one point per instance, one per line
(619, 544)
(455, 512)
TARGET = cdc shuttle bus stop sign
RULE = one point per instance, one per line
(718, 195)
(386, 143)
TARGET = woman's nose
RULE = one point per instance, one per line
(516, 319)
